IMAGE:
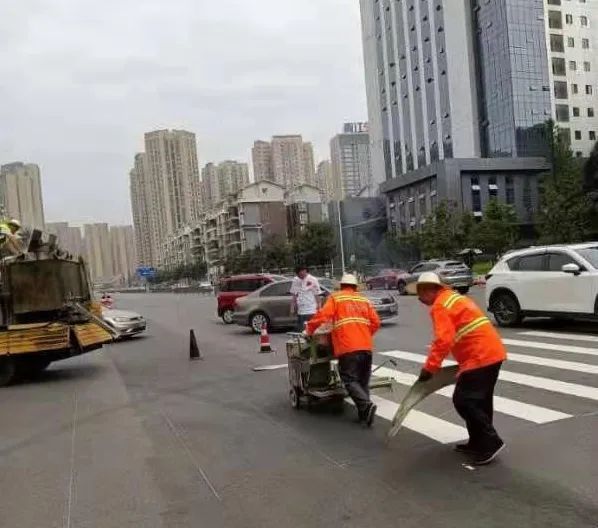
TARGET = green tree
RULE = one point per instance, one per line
(439, 236)
(276, 253)
(314, 246)
(498, 229)
(564, 214)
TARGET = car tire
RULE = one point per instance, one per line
(256, 320)
(506, 310)
(227, 316)
(464, 290)
(8, 371)
(387, 286)
(402, 287)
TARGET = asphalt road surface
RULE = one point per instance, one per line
(137, 435)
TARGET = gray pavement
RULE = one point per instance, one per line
(136, 435)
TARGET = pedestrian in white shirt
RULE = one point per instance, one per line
(306, 296)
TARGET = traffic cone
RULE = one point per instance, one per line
(194, 353)
(265, 346)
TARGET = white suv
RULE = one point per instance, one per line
(553, 281)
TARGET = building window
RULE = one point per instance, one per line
(560, 90)
(578, 135)
(590, 112)
(554, 2)
(579, 154)
(492, 188)
(587, 66)
(562, 113)
(570, 42)
(575, 89)
(589, 89)
(572, 65)
(557, 43)
(585, 43)
(592, 135)
(558, 66)
(583, 20)
(575, 111)
(510, 190)
(569, 19)
(555, 20)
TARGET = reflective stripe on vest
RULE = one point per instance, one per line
(450, 302)
(470, 327)
(348, 320)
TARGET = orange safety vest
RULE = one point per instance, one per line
(463, 330)
(354, 321)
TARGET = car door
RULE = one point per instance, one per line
(528, 281)
(276, 302)
(566, 292)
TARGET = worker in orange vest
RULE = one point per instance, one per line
(354, 322)
(463, 330)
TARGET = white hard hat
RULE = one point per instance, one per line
(14, 222)
(349, 279)
(429, 277)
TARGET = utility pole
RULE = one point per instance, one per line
(340, 236)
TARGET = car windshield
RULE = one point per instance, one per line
(590, 254)
(454, 264)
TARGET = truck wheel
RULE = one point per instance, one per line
(8, 371)
(227, 316)
(402, 287)
(31, 367)
(295, 398)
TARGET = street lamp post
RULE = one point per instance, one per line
(340, 236)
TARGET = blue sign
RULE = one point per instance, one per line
(146, 272)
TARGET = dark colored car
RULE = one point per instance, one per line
(231, 288)
(452, 272)
(271, 305)
(389, 279)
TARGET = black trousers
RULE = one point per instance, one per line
(355, 370)
(472, 398)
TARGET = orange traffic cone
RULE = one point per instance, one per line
(265, 340)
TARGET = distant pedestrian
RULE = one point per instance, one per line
(306, 292)
(463, 330)
(354, 322)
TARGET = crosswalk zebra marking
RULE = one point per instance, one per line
(551, 346)
(517, 409)
(555, 363)
(558, 335)
(552, 385)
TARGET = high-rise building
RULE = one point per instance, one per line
(350, 159)
(21, 193)
(223, 179)
(324, 180)
(286, 161)
(572, 41)
(458, 94)
(122, 240)
(69, 237)
(261, 154)
(98, 250)
(146, 217)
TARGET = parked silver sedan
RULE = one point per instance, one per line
(271, 305)
(125, 323)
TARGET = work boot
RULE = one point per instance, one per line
(370, 414)
(466, 449)
(486, 457)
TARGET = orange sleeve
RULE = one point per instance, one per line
(323, 315)
(374, 319)
(444, 336)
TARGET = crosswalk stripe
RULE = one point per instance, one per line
(552, 385)
(558, 335)
(524, 411)
(422, 423)
(555, 363)
(551, 346)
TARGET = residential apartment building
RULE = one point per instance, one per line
(185, 247)
(571, 28)
(324, 180)
(287, 161)
(458, 94)
(350, 159)
(145, 217)
(221, 180)
(122, 239)
(98, 251)
(304, 206)
(69, 237)
(21, 193)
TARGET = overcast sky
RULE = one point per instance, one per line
(82, 80)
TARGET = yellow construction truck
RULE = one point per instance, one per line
(47, 312)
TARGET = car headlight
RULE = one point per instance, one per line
(121, 319)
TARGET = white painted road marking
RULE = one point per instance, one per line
(270, 367)
(562, 387)
(523, 411)
(550, 346)
(558, 335)
(554, 363)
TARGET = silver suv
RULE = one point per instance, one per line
(452, 272)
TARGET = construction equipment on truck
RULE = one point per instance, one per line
(47, 312)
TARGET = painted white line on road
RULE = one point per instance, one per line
(554, 363)
(550, 346)
(558, 335)
(517, 409)
(422, 423)
(549, 384)
(270, 367)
